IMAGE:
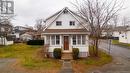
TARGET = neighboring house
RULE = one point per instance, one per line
(6, 28)
(26, 36)
(19, 31)
(125, 36)
(66, 30)
(4, 41)
(118, 30)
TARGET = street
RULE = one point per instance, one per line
(121, 60)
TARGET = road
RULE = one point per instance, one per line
(121, 60)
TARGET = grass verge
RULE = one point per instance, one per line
(116, 42)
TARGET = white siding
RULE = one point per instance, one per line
(124, 37)
(3, 41)
(65, 18)
(116, 34)
(128, 36)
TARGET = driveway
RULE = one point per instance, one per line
(121, 60)
(6, 66)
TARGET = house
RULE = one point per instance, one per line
(118, 30)
(19, 31)
(27, 36)
(5, 29)
(66, 30)
(4, 41)
(124, 36)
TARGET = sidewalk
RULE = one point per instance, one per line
(67, 67)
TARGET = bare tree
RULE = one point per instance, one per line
(98, 14)
(125, 21)
(39, 25)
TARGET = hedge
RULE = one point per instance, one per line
(35, 42)
(75, 53)
(57, 53)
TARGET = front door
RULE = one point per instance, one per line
(66, 42)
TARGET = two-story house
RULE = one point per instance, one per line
(66, 30)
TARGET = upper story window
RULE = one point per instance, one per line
(58, 23)
(72, 23)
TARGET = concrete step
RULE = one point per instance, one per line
(67, 56)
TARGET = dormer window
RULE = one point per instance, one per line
(72, 23)
(58, 23)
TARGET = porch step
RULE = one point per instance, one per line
(66, 56)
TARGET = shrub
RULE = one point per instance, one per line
(75, 53)
(35, 42)
(57, 53)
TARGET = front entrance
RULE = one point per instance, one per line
(66, 43)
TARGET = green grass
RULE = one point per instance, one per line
(116, 42)
(27, 55)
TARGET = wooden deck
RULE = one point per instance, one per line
(66, 56)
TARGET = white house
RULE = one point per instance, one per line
(4, 41)
(26, 37)
(125, 36)
(66, 30)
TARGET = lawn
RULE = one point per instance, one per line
(116, 42)
(27, 57)
(83, 65)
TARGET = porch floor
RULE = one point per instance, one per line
(66, 56)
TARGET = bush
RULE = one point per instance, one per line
(75, 53)
(57, 53)
(35, 42)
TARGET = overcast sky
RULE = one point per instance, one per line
(27, 11)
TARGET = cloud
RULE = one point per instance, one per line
(27, 11)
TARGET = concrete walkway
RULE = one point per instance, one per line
(67, 67)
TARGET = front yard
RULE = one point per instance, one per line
(116, 42)
(28, 58)
(83, 65)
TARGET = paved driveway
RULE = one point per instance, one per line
(121, 62)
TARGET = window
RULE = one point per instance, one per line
(83, 39)
(58, 23)
(78, 40)
(55, 39)
(72, 23)
(74, 40)
(48, 40)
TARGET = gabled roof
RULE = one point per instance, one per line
(57, 14)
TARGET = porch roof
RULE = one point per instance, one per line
(66, 31)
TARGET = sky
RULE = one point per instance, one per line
(27, 11)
